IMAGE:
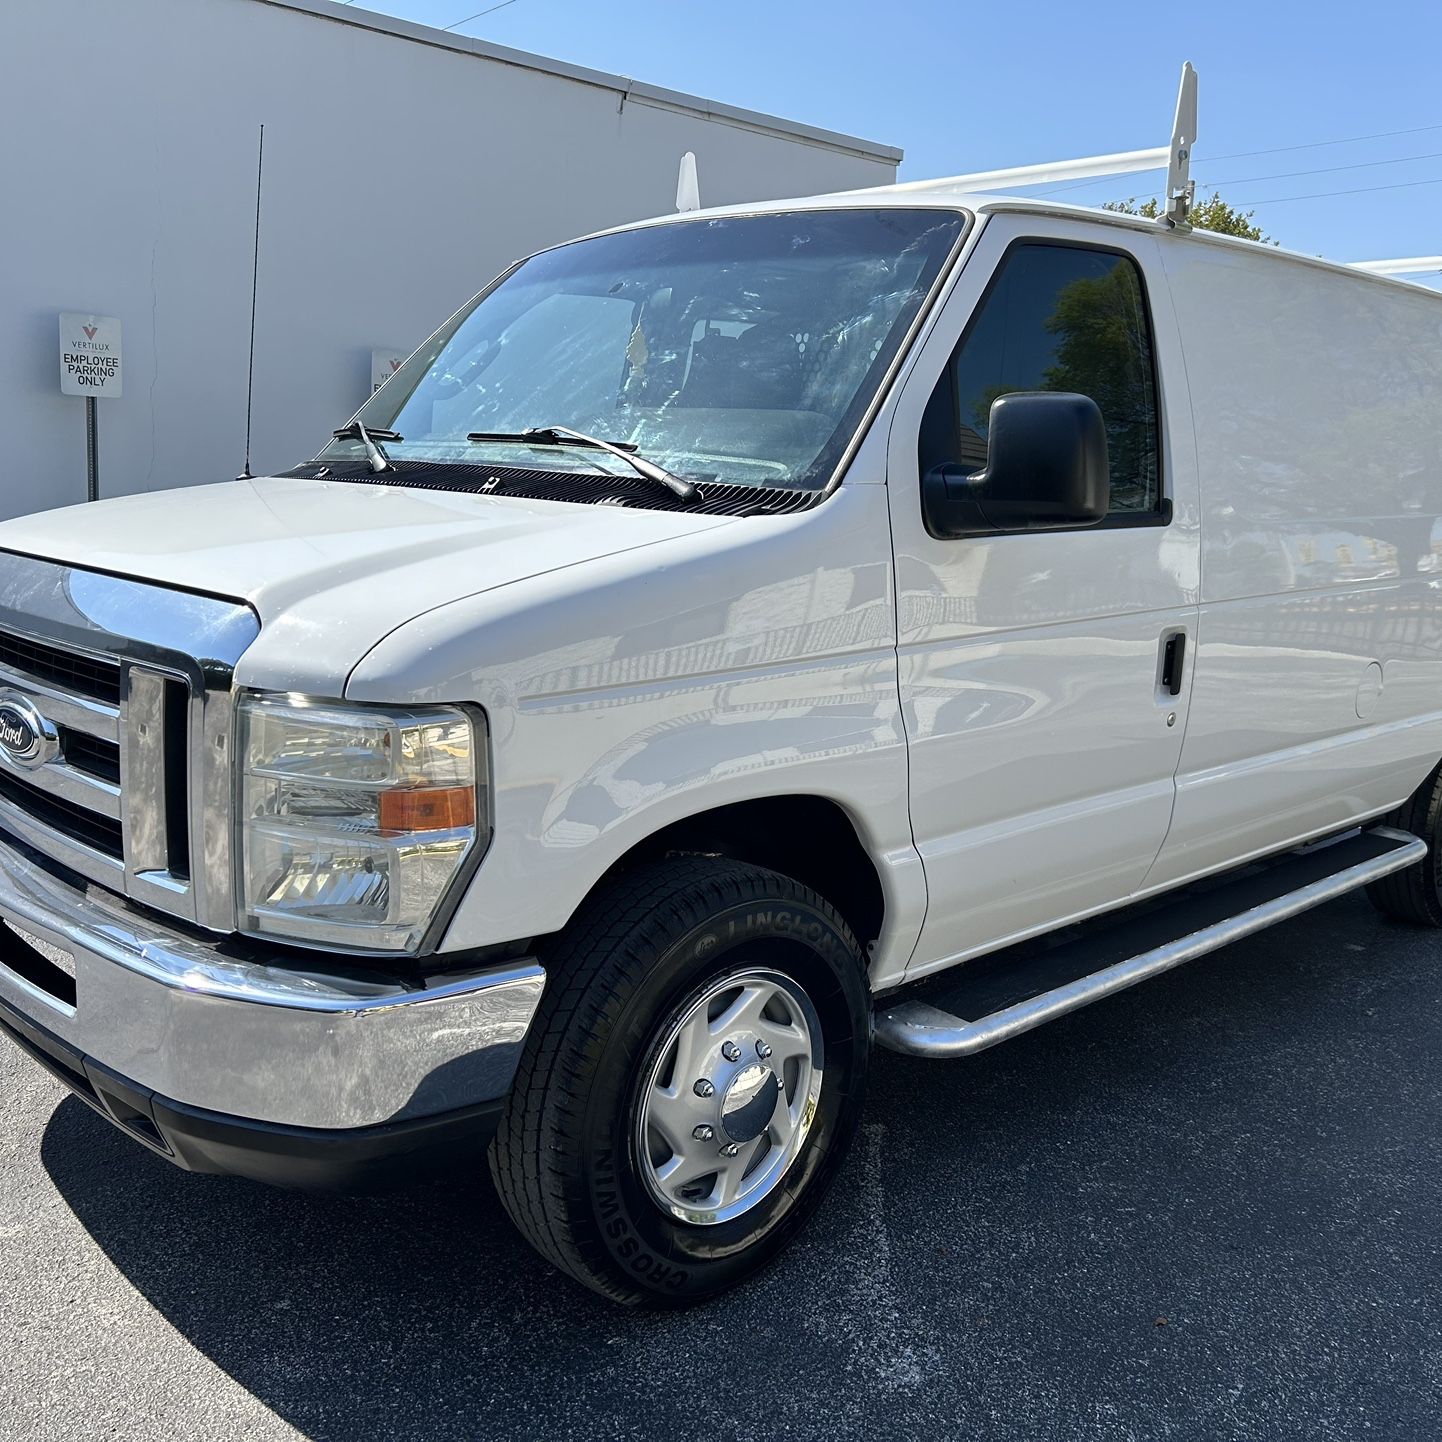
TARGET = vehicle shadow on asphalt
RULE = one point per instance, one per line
(1207, 1208)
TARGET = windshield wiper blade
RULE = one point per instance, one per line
(355, 431)
(622, 450)
(546, 436)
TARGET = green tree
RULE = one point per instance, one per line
(1100, 348)
(1102, 352)
(1211, 214)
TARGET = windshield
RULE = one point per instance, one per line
(741, 349)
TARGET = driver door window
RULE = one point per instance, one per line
(1058, 318)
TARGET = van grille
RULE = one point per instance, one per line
(110, 800)
(81, 674)
(128, 687)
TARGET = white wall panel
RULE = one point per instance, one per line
(403, 170)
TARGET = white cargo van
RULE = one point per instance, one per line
(730, 640)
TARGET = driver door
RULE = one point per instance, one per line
(1044, 737)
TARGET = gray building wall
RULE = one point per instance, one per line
(403, 169)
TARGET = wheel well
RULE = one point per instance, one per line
(808, 838)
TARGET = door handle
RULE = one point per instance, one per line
(1174, 655)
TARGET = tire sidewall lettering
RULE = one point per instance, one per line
(797, 923)
(626, 1246)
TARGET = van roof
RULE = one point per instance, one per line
(948, 195)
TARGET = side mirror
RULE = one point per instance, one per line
(1046, 470)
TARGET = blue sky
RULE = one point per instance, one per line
(966, 86)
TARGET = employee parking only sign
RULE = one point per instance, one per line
(89, 355)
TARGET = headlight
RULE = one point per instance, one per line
(355, 820)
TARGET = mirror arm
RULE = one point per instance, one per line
(952, 502)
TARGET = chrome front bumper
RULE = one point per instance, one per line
(179, 1017)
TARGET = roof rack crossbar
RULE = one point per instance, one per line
(1176, 157)
(1407, 265)
(1122, 163)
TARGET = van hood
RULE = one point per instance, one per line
(332, 566)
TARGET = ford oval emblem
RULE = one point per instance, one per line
(26, 738)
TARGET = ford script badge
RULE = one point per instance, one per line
(26, 738)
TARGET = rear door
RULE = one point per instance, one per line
(1044, 740)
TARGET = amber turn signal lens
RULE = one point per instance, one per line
(436, 808)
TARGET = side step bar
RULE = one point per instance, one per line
(1177, 932)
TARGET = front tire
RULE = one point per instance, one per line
(1415, 894)
(618, 1165)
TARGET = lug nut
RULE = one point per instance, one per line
(703, 1133)
(762, 1050)
(703, 1088)
(730, 1051)
(730, 1150)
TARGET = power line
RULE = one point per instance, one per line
(1364, 190)
(1317, 195)
(1278, 175)
(1319, 144)
(1284, 150)
(1327, 169)
(478, 15)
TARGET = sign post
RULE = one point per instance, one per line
(90, 367)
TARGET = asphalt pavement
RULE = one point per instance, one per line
(1208, 1208)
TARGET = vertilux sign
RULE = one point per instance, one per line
(89, 355)
(384, 364)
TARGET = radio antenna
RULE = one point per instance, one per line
(245, 474)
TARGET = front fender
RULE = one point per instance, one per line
(635, 690)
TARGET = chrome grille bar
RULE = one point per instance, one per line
(57, 778)
(142, 773)
(90, 863)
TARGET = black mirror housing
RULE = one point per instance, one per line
(1046, 470)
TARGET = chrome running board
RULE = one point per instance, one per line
(1199, 922)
